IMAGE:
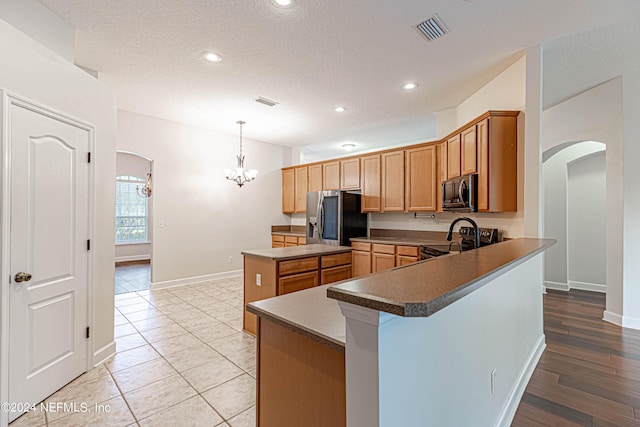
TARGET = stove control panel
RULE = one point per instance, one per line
(488, 236)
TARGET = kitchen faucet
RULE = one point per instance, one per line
(476, 230)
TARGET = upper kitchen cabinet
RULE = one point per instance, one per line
(393, 181)
(421, 179)
(301, 189)
(453, 157)
(497, 162)
(315, 177)
(288, 191)
(441, 174)
(370, 180)
(350, 174)
(468, 154)
(331, 175)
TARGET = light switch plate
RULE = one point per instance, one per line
(258, 279)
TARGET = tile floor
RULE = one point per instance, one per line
(182, 360)
(132, 276)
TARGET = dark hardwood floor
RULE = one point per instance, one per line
(589, 374)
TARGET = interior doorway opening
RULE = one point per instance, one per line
(133, 222)
(575, 214)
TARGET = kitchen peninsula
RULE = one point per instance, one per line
(408, 346)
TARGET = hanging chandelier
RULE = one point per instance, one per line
(240, 175)
(145, 191)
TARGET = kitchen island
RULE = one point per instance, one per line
(418, 342)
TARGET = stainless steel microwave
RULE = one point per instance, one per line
(460, 194)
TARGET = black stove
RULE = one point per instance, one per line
(488, 236)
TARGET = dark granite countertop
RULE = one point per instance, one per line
(407, 241)
(308, 312)
(422, 289)
(293, 252)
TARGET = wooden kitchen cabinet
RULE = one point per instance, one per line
(302, 241)
(290, 241)
(441, 174)
(277, 241)
(370, 180)
(350, 174)
(360, 259)
(335, 274)
(392, 181)
(297, 282)
(453, 157)
(468, 155)
(331, 175)
(288, 191)
(421, 179)
(315, 178)
(301, 189)
(381, 262)
(406, 255)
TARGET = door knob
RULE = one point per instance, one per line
(22, 277)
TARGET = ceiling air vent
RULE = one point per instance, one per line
(433, 28)
(265, 101)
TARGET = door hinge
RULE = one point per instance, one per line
(87, 332)
(88, 245)
(89, 157)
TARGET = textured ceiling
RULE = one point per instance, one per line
(314, 56)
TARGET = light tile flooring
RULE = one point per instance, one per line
(182, 360)
(132, 276)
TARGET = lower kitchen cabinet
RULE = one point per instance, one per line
(270, 277)
(360, 259)
(381, 262)
(371, 258)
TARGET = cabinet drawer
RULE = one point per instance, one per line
(277, 244)
(297, 282)
(297, 266)
(277, 238)
(384, 249)
(291, 239)
(407, 251)
(361, 246)
(335, 274)
(334, 260)
(302, 241)
(288, 245)
(404, 260)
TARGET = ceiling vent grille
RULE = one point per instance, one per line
(265, 101)
(433, 28)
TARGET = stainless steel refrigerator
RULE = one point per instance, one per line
(333, 217)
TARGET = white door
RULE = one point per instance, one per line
(49, 231)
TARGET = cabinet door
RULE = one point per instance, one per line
(335, 274)
(350, 174)
(453, 157)
(288, 191)
(301, 189)
(360, 263)
(441, 173)
(331, 176)
(302, 241)
(370, 179)
(469, 151)
(297, 282)
(381, 262)
(277, 244)
(483, 165)
(315, 178)
(405, 260)
(421, 187)
(393, 181)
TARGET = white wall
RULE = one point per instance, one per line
(207, 219)
(128, 164)
(41, 24)
(32, 71)
(586, 223)
(555, 218)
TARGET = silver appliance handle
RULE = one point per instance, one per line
(463, 183)
(321, 216)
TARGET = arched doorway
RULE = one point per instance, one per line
(574, 206)
(133, 222)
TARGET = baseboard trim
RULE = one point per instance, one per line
(195, 279)
(611, 317)
(630, 322)
(133, 258)
(104, 353)
(585, 286)
(509, 410)
(556, 286)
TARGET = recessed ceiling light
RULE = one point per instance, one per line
(211, 57)
(348, 147)
(283, 2)
(340, 109)
(409, 85)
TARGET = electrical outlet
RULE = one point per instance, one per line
(258, 279)
(161, 223)
(493, 381)
(230, 259)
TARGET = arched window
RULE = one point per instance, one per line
(131, 211)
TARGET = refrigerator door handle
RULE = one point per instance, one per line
(321, 216)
